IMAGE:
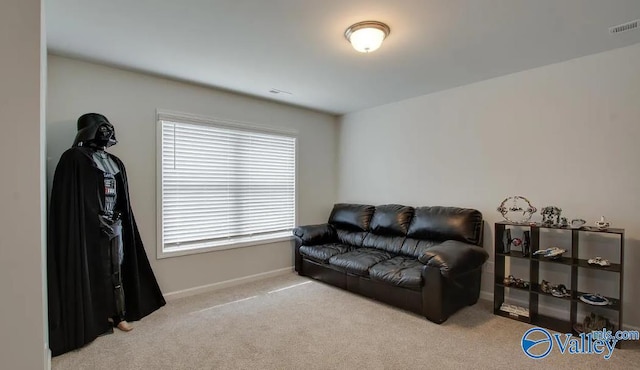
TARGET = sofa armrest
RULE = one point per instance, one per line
(315, 234)
(454, 257)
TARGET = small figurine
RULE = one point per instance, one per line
(520, 210)
(602, 224)
(577, 223)
(506, 241)
(550, 216)
(508, 280)
(594, 323)
(564, 222)
(550, 253)
(517, 243)
(526, 243)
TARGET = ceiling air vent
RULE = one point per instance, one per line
(625, 27)
(278, 91)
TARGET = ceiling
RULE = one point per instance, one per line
(253, 46)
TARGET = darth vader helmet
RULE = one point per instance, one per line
(95, 130)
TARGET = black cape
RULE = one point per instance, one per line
(79, 295)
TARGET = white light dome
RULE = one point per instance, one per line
(367, 36)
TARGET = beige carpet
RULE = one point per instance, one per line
(310, 325)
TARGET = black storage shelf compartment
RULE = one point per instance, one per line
(534, 266)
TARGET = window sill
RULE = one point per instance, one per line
(177, 252)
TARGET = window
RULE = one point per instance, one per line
(223, 184)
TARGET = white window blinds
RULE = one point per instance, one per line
(223, 185)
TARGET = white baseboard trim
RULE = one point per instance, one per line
(225, 284)
(488, 296)
(631, 327)
(47, 356)
(488, 267)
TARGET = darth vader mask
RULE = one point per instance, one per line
(95, 130)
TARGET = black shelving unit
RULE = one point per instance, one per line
(534, 292)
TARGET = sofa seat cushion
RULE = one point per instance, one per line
(359, 260)
(401, 271)
(322, 253)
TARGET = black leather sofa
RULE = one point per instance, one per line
(427, 260)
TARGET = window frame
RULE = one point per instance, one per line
(181, 117)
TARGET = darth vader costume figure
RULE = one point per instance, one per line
(99, 275)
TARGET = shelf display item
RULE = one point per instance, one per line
(517, 209)
(517, 243)
(602, 224)
(599, 261)
(560, 291)
(551, 216)
(564, 222)
(551, 253)
(577, 223)
(594, 299)
(514, 310)
(526, 243)
(545, 287)
(506, 241)
(515, 282)
(594, 323)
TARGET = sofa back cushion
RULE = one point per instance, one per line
(416, 247)
(351, 217)
(446, 223)
(391, 220)
(391, 244)
(354, 238)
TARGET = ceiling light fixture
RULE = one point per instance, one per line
(367, 36)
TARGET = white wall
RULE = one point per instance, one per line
(565, 134)
(22, 67)
(129, 100)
